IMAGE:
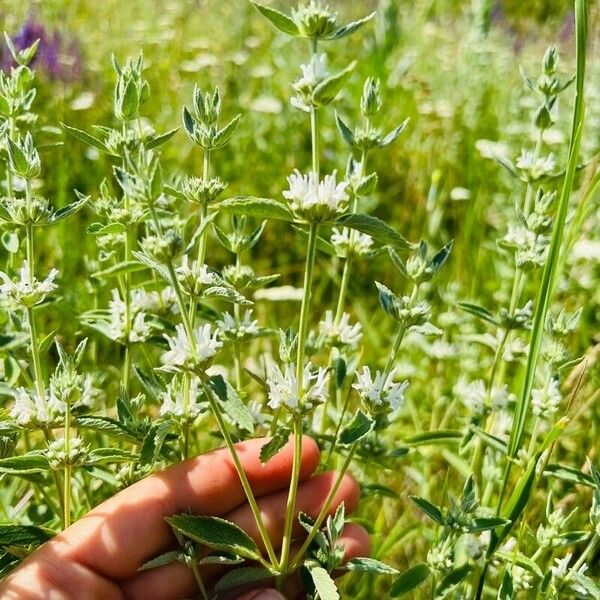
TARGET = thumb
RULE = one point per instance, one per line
(269, 594)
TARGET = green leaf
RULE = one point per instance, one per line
(360, 426)
(160, 561)
(570, 474)
(70, 209)
(345, 131)
(324, 583)
(23, 535)
(153, 442)
(479, 312)
(428, 438)
(326, 91)
(506, 591)
(485, 523)
(452, 579)
(275, 444)
(277, 18)
(429, 509)
(105, 425)
(127, 266)
(376, 228)
(216, 533)
(512, 557)
(87, 138)
(251, 206)
(410, 580)
(392, 136)
(226, 293)
(109, 455)
(242, 576)
(159, 140)
(370, 565)
(349, 28)
(32, 462)
(231, 403)
(97, 229)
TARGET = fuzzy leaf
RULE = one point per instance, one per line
(485, 523)
(277, 18)
(242, 576)
(159, 140)
(478, 311)
(216, 533)
(393, 135)
(349, 28)
(410, 580)
(231, 403)
(360, 425)
(105, 425)
(87, 138)
(345, 131)
(326, 91)
(453, 579)
(23, 535)
(160, 561)
(376, 228)
(324, 583)
(32, 462)
(370, 565)
(109, 455)
(275, 444)
(127, 266)
(570, 474)
(225, 293)
(261, 208)
(429, 509)
(70, 209)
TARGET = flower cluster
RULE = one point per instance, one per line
(316, 201)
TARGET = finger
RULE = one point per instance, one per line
(176, 580)
(261, 595)
(118, 536)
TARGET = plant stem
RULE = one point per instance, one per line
(324, 509)
(242, 475)
(302, 334)
(199, 581)
(67, 469)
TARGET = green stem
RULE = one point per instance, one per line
(324, 509)
(67, 469)
(589, 549)
(242, 475)
(302, 334)
(199, 581)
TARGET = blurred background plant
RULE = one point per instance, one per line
(452, 68)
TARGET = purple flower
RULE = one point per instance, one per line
(57, 58)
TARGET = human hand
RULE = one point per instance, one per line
(98, 558)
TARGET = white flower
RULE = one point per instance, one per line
(518, 236)
(381, 391)
(341, 333)
(472, 395)
(346, 242)
(283, 386)
(173, 400)
(535, 168)
(27, 290)
(30, 408)
(117, 326)
(561, 566)
(314, 72)
(155, 301)
(316, 200)
(187, 355)
(229, 328)
(545, 402)
(195, 278)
